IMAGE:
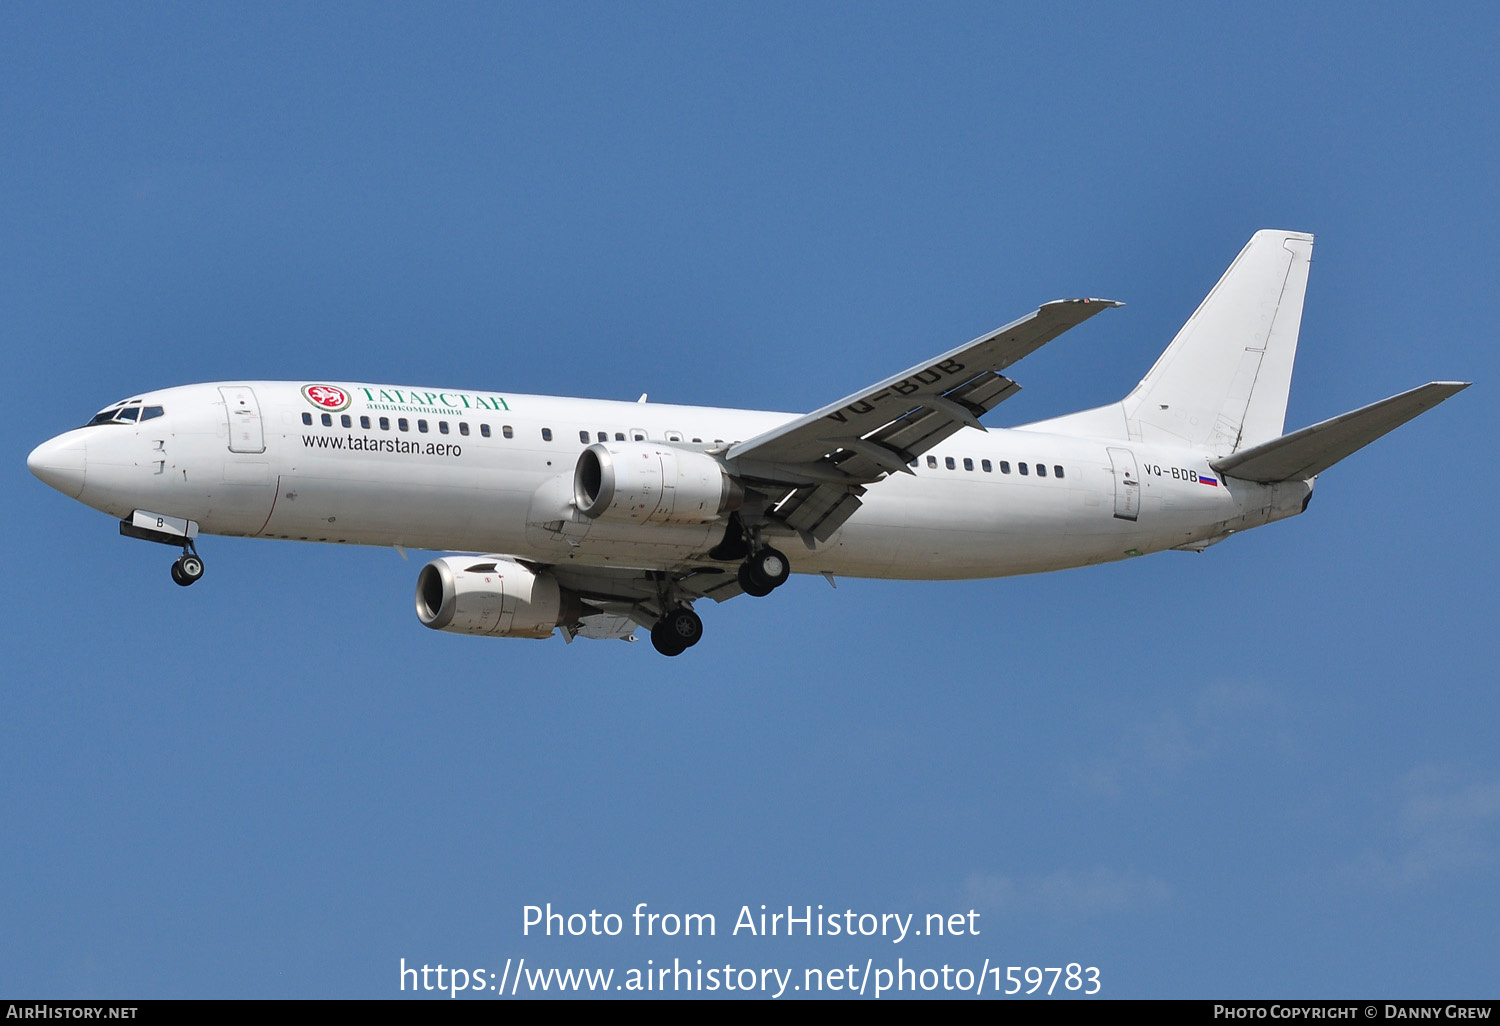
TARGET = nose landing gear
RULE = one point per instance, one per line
(188, 567)
(167, 530)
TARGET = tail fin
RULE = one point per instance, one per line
(1223, 382)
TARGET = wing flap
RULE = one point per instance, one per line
(1303, 454)
(820, 510)
(927, 426)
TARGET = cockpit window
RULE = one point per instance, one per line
(125, 413)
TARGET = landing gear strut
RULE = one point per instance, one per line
(676, 632)
(764, 572)
(188, 567)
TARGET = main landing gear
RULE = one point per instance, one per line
(189, 566)
(680, 629)
(676, 632)
(764, 572)
(764, 569)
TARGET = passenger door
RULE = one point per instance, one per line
(1127, 484)
(246, 433)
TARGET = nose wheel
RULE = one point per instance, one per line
(764, 572)
(187, 569)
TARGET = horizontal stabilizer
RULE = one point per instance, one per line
(1312, 450)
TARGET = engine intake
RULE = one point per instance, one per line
(494, 596)
(646, 483)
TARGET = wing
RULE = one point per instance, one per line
(819, 464)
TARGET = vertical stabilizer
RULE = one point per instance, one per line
(1224, 380)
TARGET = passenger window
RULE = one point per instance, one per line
(402, 424)
(484, 430)
(1005, 466)
(583, 436)
(546, 434)
(674, 436)
(463, 428)
(507, 431)
(422, 426)
(307, 419)
(364, 422)
(604, 436)
(151, 412)
(1041, 470)
(639, 437)
(914, 462)
(619, 436)
(986, 465)
(327, 419)
(1057, 470)
(442, 427)
(697, 441)
(385, 423)
(932, 463)
(1022, 468)
(346, 421)
(948, 462)
(968, 463)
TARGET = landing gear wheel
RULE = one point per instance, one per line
(771, 566)
(187, 569)
(751, 584)
(676, 632)
(764, 572)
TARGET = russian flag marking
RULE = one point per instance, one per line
(1205, 479)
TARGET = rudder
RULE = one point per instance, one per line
(1223, 383)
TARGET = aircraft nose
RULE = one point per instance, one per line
(60, 462)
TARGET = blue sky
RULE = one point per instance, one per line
(1266, 770)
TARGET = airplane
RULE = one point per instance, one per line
(597, 517)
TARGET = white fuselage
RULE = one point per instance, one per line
(494, 473)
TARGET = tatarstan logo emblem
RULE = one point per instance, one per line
(326, 397)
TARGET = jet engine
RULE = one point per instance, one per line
(494, 596)
(647, 483)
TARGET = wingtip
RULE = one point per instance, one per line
(1450, 387)
(1087, 299)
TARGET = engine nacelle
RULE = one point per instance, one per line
(646, 483)
(490, 595)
